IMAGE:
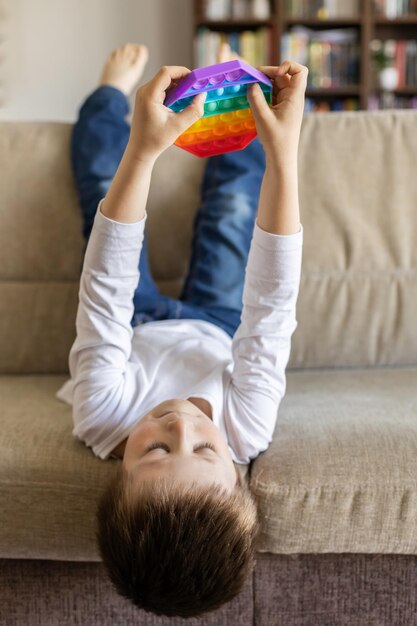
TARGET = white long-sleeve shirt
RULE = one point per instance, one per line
(119, 373)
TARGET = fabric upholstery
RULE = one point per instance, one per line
(358, 194)
(51, 593)
(335, 590)
(285, 590)
(340, 474)
(358, 198)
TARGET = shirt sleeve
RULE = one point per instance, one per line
(105, 384)
(262, 342)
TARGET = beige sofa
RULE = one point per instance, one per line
(337, 489)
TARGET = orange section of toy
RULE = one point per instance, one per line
(221, 126)
(212, 147)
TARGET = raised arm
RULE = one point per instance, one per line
(261, 344)
(107, 386)
(154, 128)
(279, 131)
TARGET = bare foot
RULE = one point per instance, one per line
(225, 53)
(124, 67)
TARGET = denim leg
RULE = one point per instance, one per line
(223, 225)
(222, 232)
(99, 139)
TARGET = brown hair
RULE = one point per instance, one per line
(176, 549)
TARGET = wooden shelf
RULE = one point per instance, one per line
(328, 23)
(398, 21)
(410, 90)
(227, 24)
(343, 90)
(368, 25)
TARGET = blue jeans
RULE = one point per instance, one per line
(223, 224)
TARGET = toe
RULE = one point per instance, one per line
(141, 55)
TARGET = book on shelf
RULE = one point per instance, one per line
(400, 54)
(332, 56)
(216, 9)
(394, 8)
(253, 45)
(322, 9)
(236, 9)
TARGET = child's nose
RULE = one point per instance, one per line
(182, 429)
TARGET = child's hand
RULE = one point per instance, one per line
(155, 127)
(279, 126)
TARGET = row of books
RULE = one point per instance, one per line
(324, 106)
(389, 100)
(253, 45)
(332, 56)
(395, 8)
(375, 103)
(400, 54)
(236, 9)
(322, 9)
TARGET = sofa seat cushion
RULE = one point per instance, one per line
(49, 481)
(341, 472)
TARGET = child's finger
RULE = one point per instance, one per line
(292, 68)
(297, 72)
(288, 69)
(192, 112)
(163, 80)
(258, 103)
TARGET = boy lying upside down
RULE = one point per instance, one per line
(181, 389)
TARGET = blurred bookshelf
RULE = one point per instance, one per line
(361, 54)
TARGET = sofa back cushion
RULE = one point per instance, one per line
(40, 248)
(358, 199)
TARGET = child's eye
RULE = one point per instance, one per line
(157, 444)
(205, 444)
(160, 444)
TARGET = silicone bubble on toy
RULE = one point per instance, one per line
(227, 123)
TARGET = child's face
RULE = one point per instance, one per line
(180, 428)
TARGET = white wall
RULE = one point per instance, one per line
(52, 51)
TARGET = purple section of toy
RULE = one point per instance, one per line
(234, 72)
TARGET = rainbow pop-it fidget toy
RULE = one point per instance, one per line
(227, 123)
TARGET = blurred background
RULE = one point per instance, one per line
(362, 54)
(52, 51)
